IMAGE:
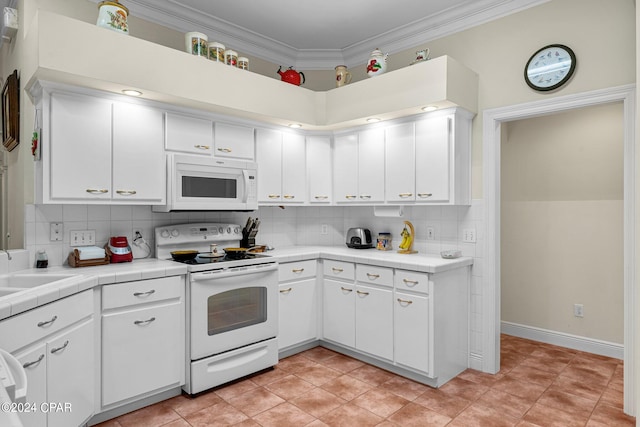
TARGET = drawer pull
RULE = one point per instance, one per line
(321, 197)
(425, 195)
(35, 362)
(273, 196)
(285, 291)
(373, 276)
(365, 196)
(410, 282)
(144, 294)
(289, 196)
(337, 270)
(97, 191)
(297, 270)
(127, 192)
(405, 302)
(55, 350)
(346, 289)
(405, 195)
(362, 293)
(48, 322)
(144, 322)
(202, 147)
(350, 196)
(225, 150)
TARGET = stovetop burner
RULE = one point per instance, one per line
(214, 260)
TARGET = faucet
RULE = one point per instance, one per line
(8, 254)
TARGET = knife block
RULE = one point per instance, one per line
(248, 242)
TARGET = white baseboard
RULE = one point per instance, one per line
(590, 345)
(475, 361)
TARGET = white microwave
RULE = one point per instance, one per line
(200, 183)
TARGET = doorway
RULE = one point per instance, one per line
(492, 125)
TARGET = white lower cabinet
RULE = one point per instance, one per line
(56, 349)
(143, 337)
(411, 331)
(374, 321)
(297, 309)
(339, 314)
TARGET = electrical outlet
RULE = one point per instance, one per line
(56, 231)
(431, 233)
(578, 310)
(82, 237)
(469, 235)
(324, 229)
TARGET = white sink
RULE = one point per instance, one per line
(18, 282)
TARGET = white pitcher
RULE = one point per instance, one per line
(377, 63)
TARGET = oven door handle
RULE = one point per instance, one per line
(235, 271)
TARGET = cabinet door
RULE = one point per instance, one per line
(371, 165)
(70, 375)
(297, 313)
(139, 169)
(80, 148)
(142, 351)
(233, 141)
(339, 312)
(400, 177)
(35, 365)
(319, 169)
(345, 168)
(433, 147)
(269, 157)
(374, 321)
(411, 328)
(294, 172)
(188, 134)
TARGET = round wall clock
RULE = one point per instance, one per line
(550, 67)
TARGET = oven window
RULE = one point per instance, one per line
(220, 188)
(236, 309)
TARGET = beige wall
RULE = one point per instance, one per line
(562, 222)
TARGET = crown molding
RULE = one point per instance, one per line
(184, 19)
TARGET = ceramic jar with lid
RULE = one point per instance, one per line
(231, 57)
(377, 63)
(384, 242)
(216, 51)
(113, 16)
(196, 43)
(243, 63)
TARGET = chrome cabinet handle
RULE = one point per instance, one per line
(48, 322)
(225, 150)
(297, 270)
(405, 302)
(273, 196)
(285, 291)
(373, 276)
(55, 350)
(346, 289)
(97, 191)
(289, 196)
(410, 282)
(202, 147)
(425, 195)
(144, 294)
(35, 362)
(362, 293)
(144, 322)
(321, 197)
(126, 192)
(350, 196)
(337, 270)
(405, 195)
(365, 196)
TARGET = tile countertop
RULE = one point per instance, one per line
(428, 263)
(83, 278)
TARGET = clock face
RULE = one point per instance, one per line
(550, 67)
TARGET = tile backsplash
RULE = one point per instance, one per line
(304, 225)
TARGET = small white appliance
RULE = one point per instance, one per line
(211, 184)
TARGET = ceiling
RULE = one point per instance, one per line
(322, 34)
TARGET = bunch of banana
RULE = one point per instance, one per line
(407, 239)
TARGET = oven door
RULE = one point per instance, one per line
(232, 308)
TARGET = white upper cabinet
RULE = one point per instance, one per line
(188, 134)
(281, 167)
(319, 171)
(233, 141)
(400, 163)
(100, 151)
(359, 167)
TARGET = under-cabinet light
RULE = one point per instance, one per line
(429, 108)
(132, 92)
(373, 120)
(295, 125)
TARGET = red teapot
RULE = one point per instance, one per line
(291, 76)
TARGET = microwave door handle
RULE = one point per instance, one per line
(245, 176)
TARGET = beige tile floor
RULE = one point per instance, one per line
(538, 385)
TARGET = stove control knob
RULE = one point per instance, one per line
(175, 232)
(236, 230)
(229, 230)
(164, 234)
(221, 230)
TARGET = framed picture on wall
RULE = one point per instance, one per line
(11, 112)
